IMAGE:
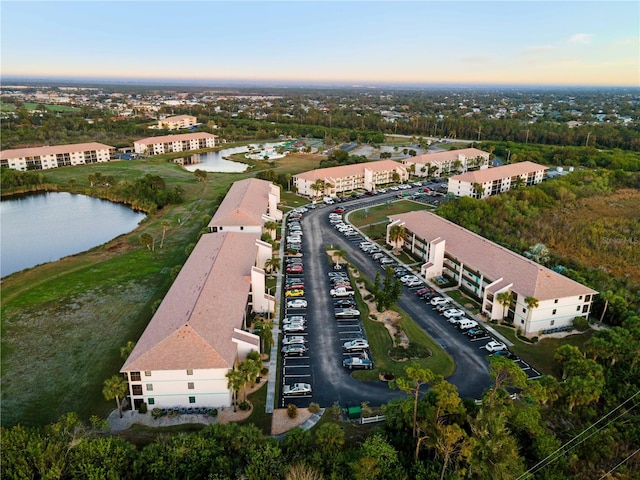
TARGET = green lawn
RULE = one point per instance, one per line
(51, 108)
(540, 354)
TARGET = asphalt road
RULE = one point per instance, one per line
(322, 366)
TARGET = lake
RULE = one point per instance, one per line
(216, 162)
(45, 227)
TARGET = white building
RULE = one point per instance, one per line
(484, 269)
(484, 183)
(347, 178)
(247, 206)
(44, 158)
(175, 143)
(444, 163)
(177, 122)
(197, 334)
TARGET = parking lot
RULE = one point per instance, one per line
(321, 364)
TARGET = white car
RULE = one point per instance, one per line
(413, 283)
(438, 301)
(294, 340)
(297, 303)
(297, 389)
(495, 346)
(394, 188)
(294, 327)
(453, 312)
(357, 344)
(293, 319)
(409, 278)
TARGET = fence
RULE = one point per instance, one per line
(377, 418)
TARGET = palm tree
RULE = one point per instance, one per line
(504, 299)
(478, 190)
(606, 296)
(532, 303)
(396, 235)
(127, 349)
(265, 331)
(272, 265)
(165, 226)
(317, 187)
(271, 227)
(115, 388)
(235, 381)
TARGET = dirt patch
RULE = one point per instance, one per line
(281, 423)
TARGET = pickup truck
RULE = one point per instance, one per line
(341, 292)
(357, 362)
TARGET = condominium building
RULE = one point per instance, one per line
(175, 143)
(247, 206)
(487, 182)
(445, 163)
(199, 331)
(347, 178)
(44, 158)
(484, 269)
(177, 122)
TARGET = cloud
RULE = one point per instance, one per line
(581, 38)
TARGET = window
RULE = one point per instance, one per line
(192, 399)
(585, 308)
(190, 386)
(137, 389)
(189, 372)
(135, 376)
(578, 308)
(524, 310)
(150, 401)
(580, 297)
(554, 312)
(552, 322)
(147, 373)
(241, 228)
(149, 387)
(587, 298)
(555, 301)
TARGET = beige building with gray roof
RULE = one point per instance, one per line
(484, 269)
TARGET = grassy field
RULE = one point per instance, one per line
(51, 108)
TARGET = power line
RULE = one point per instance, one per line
(560, 451)
(614, 468)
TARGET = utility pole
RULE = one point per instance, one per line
(527, 138)
(479, 130)
(586, 144)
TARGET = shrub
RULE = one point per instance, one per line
(213, 412)
(244, 405)
(156, 413)
(292, 411)
(581, 324)
(314, 407)
(264, 370)
(142, 408)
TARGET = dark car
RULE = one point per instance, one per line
(506, 353)
(344, 303)
(476, 333)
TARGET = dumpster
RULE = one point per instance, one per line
(353, 413)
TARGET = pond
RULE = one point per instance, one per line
(217, 162)
(46, 227)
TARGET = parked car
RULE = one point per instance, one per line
(495, 346)
(408, 278)
(296, 389)
(357, 344)
(293, 319)
(453, 312)
(340, 292)
(466, 324)
(294, 327)
(338, 210)
(294, 340)
(297, 303)
(506, 353)
(294, 293)
(344, 303)
(295, 269)
(346, 313)
(476, 333)
(386, 261)
(438, 301)
(413, 283)
(357, 362)
(294, 286)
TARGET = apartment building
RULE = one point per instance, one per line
(177, 122)
(445, 163)
(44, 158)
(491, 181)
(199, 333)
(484, 269)
(175, 143)
(347, 178)
(247, 206)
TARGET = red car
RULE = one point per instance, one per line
(338, 210)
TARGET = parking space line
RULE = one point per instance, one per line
(481, 338)
(302, 375)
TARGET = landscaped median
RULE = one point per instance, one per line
(394, 328)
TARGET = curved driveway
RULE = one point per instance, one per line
(323, 366)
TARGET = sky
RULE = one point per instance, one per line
(325, 42)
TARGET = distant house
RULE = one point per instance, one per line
(347, 178)
(444, 163)
(178, 122)
(487, 182)
(484, 269)
(44, 158)
(175, 143)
